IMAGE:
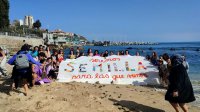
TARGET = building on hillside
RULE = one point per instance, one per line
(58, 37)
(28, 21)
(15, 23)
(21, 22)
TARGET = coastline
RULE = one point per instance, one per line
(84, 97)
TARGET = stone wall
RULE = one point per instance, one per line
(13, 43)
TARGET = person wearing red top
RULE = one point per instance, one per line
(60, 56)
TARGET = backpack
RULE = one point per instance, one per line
(21, 61)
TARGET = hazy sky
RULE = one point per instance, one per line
(116, 20)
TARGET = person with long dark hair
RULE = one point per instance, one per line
(127, 53)
(180, 89)
(96, 53)
(35, 52)
(154, 58)
(72, 55)
(105, 54)
(60, 56)
(122, 52)
(89, 52)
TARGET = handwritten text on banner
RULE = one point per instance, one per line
(116, 69)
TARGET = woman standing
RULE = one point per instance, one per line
(154, 58)
(180, 89)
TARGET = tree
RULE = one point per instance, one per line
(37, 24)
(4, 14)
(16, 23)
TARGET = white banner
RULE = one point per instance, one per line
(113, 69)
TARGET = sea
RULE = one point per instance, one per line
(191, 50)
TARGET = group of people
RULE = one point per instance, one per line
(40, 65)
(36, 65)
(164, 65)
(173, 72)
(78, 53)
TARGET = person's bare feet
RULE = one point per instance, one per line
(13, 87)
(25, 94)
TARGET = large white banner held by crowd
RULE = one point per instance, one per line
(113, 69)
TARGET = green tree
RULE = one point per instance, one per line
(4, 14)
(37, 24)
(16, 23)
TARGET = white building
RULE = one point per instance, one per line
(21, 22)
(28, 21)
(59, 37)
(56, 37)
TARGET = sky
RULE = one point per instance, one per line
(116, 20)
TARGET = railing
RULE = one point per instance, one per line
(19, 35)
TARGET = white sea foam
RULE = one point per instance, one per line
(196, 88)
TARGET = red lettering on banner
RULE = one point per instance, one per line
(137, 75)
(84, 76)
(115, 77)
(104, 61)
(99, 76)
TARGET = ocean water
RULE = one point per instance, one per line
(190, 49)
